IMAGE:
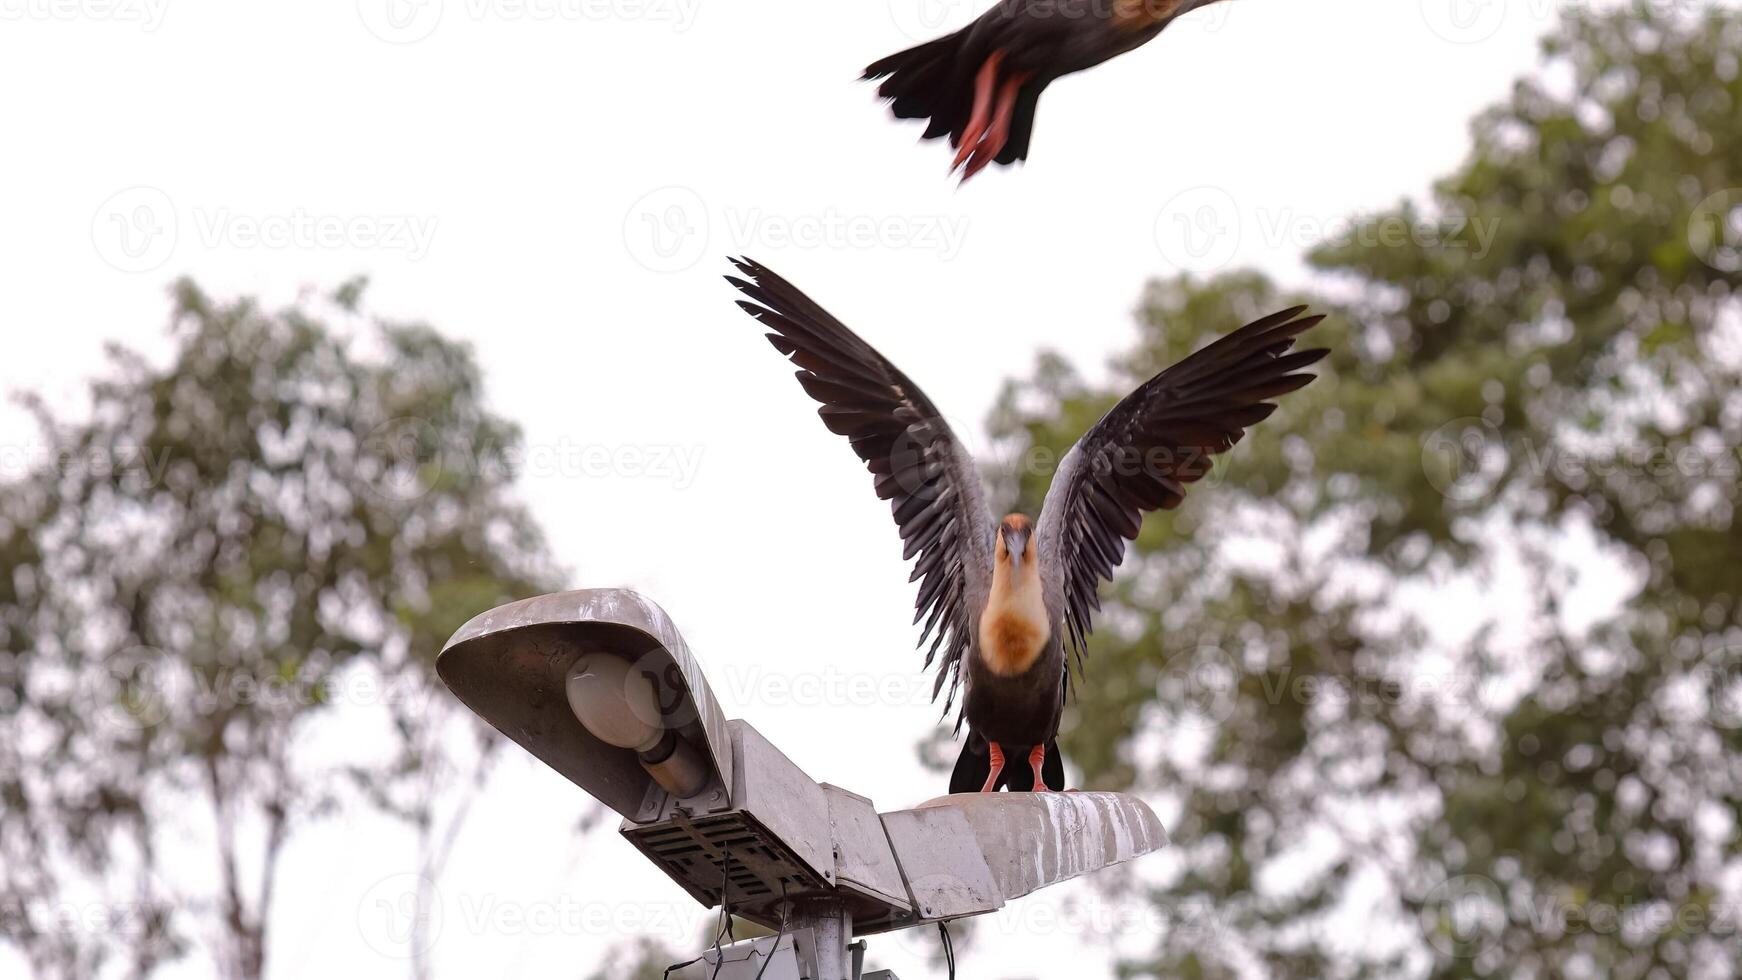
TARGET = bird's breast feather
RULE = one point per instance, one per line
(1013, 633)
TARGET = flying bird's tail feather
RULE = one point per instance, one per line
(935, 81)
(917, 80)
(1021, 125)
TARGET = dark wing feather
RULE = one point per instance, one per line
(1142, 455)
(929, 480)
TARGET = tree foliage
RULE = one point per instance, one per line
(278, 528)
(1440, 676)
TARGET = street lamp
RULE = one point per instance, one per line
(598, 685)
(620, 706)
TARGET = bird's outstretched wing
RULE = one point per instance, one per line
(1144, 452)
(929, 479)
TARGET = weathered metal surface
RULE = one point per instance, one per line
(730, 857)
(824, 929)
(747, 960)
(786, 801)
(864, 864)
(941, 862)
(509, 665)
(775, 844)
(1031, 840)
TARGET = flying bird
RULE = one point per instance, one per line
(1004, 600)
(981, 85)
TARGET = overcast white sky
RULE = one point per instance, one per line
(557, 182)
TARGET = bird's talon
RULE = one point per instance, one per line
(964, 155)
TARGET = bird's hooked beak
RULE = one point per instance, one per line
(1015, 542)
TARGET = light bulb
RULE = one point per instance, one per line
(617, 705)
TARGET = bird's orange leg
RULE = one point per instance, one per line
(992, 143)
(1037, 758)
(982, 114)
(997, 752)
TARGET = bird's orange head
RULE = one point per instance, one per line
(1015, 535)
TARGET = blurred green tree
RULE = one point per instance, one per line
(279, 528)
(1443, 677)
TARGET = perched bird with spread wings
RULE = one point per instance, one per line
(1004, 601)
(981, 85)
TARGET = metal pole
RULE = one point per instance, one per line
(831, 928)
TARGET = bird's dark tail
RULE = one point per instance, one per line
(972, 766)
(1021, 124)
(928, 82)
(975, 763)
(935, 81)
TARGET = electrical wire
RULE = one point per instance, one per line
(949, 949)
(715, 945)
(725, 911)
(778, 934)
(725, 920)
